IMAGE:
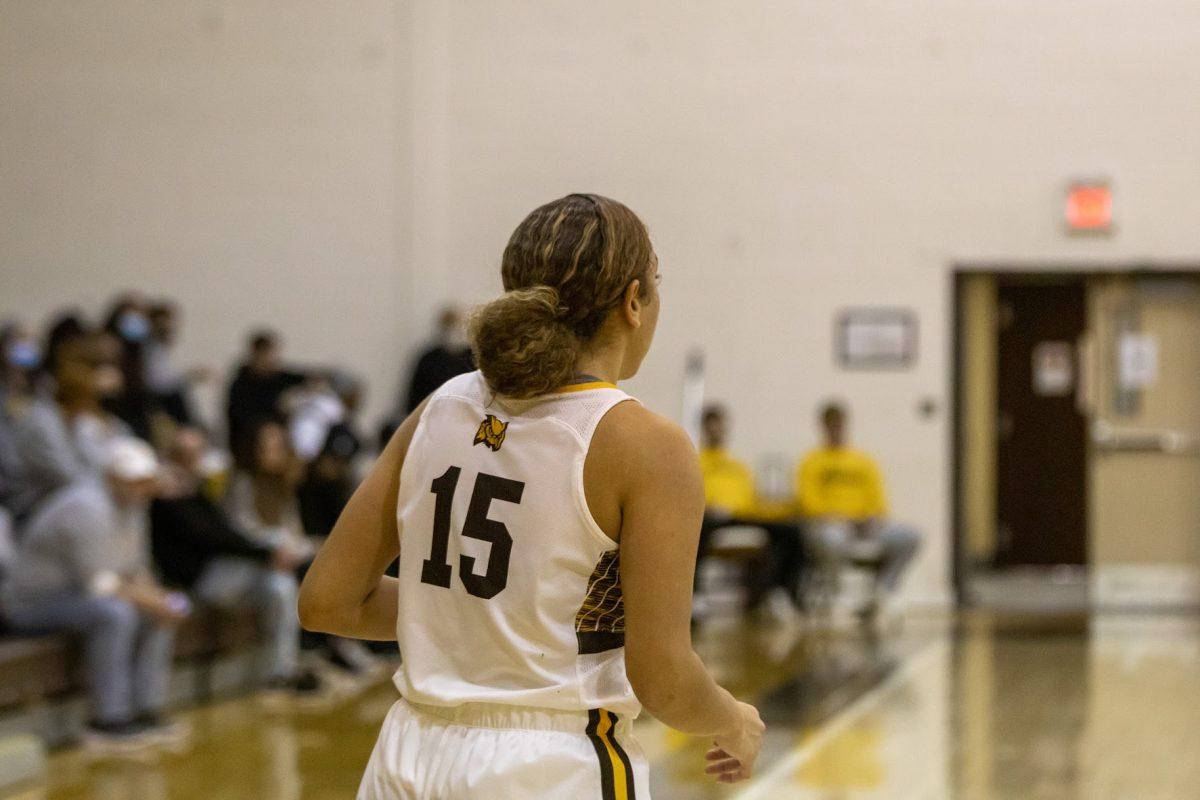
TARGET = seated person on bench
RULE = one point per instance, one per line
(199, 548)
(842, 497)
(730, 500)
(83, 567)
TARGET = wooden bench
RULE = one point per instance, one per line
(37, 668)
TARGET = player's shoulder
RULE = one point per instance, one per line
(637, 436)
(468, 384)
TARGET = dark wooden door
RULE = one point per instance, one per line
(1041, 447)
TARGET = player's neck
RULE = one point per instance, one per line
(604, 365)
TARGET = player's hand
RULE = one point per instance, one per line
(733, 755)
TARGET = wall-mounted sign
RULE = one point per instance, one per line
(1089, 207)
(1137, 361)
(876, 338)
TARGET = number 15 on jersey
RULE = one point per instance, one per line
(436, 569)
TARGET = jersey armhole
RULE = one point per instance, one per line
(581, 501)
(418, 435)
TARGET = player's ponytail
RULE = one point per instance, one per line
(521, 345)
(566, 266)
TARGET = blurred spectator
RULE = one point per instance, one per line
(326, 404)
(261, 498)
(21, 356)
(11, 469)
(329, 481)
(198, 548)
(170, 384)
(841, 493)
(63, 437)
(67, 327)
(447, 356)
(730, 500)
(257, 390)
(728, 483)
(135, 404)
(8, 548)
(83, 566)
(330, 477)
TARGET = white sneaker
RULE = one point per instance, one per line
(127, 740)
(174, 735)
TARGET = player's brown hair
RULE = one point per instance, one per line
(565, 267)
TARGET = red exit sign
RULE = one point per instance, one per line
(1089, 207)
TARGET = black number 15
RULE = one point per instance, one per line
(436, 569)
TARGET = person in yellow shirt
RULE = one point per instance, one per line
(842, 498)
(730, 499)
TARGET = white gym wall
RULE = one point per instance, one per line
(341, 170)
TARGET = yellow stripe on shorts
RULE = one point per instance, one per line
(616, 771)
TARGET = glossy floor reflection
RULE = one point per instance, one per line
(1018, 707)
(979, 707)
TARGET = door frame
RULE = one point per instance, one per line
(1015, 270)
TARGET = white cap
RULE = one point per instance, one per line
(131, 459)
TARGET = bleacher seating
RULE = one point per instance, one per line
(37, 669)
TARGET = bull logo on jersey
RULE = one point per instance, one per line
(491, 432)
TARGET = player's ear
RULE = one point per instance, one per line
(631, 303)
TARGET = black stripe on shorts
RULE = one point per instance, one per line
(607, 790)
(621, 754)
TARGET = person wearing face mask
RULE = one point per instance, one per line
(83, 566)
(136, 404)
(170, 384)
(63, 435)
(21, 358)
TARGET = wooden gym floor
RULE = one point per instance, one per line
(979, 706)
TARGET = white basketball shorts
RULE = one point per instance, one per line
(493, 752)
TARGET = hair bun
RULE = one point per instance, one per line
(522, 345)
(566, 266)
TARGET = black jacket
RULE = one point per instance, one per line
(254, 396)
(187, 533)
(437, 365)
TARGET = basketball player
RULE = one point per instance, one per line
(547, 528)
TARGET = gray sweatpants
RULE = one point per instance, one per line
(127, 654)
(897, 545)
(231, 583)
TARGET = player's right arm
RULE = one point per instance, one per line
(652, 472)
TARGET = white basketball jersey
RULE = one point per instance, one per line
(509, 591)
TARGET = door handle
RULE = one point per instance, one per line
(1110, 439)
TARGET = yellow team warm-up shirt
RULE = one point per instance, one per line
(728, 483)
(840, 482)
